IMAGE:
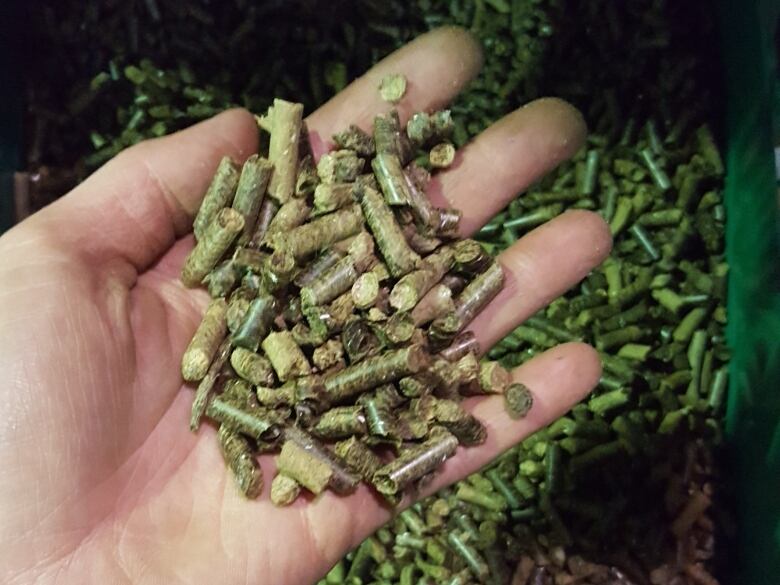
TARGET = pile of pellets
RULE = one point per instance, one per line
(337, 331)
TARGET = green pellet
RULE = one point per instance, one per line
(474, 496)
(607, 402)
(218, 196)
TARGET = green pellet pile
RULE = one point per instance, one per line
(331, 309)
(625, 488)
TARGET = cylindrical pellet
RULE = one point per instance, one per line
(218, 196)
(250, 192)
(286, 120)
(408, 291)
(203, 346)
(252, 367)
(399, 257)
(214, 242)
(285, 356)
(238, 455)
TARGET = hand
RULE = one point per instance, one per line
(102, 481)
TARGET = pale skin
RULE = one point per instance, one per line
(101, 480)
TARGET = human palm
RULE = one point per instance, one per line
(101, 478)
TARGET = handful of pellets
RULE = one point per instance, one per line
(337, 331)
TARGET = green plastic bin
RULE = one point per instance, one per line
(753, 252)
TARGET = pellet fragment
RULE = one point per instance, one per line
(284, 490)
(408, 291)
(374, 371)
(287, 120)
(328, 355)
(290, 215)
(342, 480)
(341, 422)
(436, 303)
(215, 240)
(321, 232)
(464, 343)
(470, 257)
(268, 210)
(518, 400)
(332, 196)
(237, 454)
(442, 155)
(207, 384)
(252, 185)
(392, 180)
(354, 138)
(389, 138)
(307, 178)
(359, 340)
(358, 457)
(465, 426)
(415, 462)
(222, 279)
(339, 166)
(259, 423)
(285, 356)
(203, 346)
(252, 367)
(493, 377)
(400, 259)
(256, 323)
(392, 87)
(365, 290)
(218, 196)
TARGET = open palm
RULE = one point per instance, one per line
(100, 477)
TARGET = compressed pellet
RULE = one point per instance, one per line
(321, 232)
(249, 260)
(203, 346)
(354, 138)
(218, 196)
(222, 279)
(256, 323)
(286, 120)
(469, 554)
(339, 166)
(392, 87)
(392, 180)
(266, 214)
(306, 469)
(388, 137)
(447, 222)
(400, 259)
(465, 426)
(237, 454)
(258, 423)
(331, 196)
(359, 457)
(470, 257)
(328, 355)
(215, 240)
(415, 462)
(290, 215)
(518, 400)
(252, 367)
(365, 290)
(340, 422)
(442, 155)
(491, 501)
(333, 282)
(307, 179)
(317, 267)
(207, 384)
(411, 288)
(477, 294)
(284, 490)
(464, 343)
(285, 356)
(493, 377)
(250, 192)
(376, 370)
(342, 480)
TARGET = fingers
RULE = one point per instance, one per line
(437, 65)
(507, 157)
(136, 205)
(558, 379)
(541, 266)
